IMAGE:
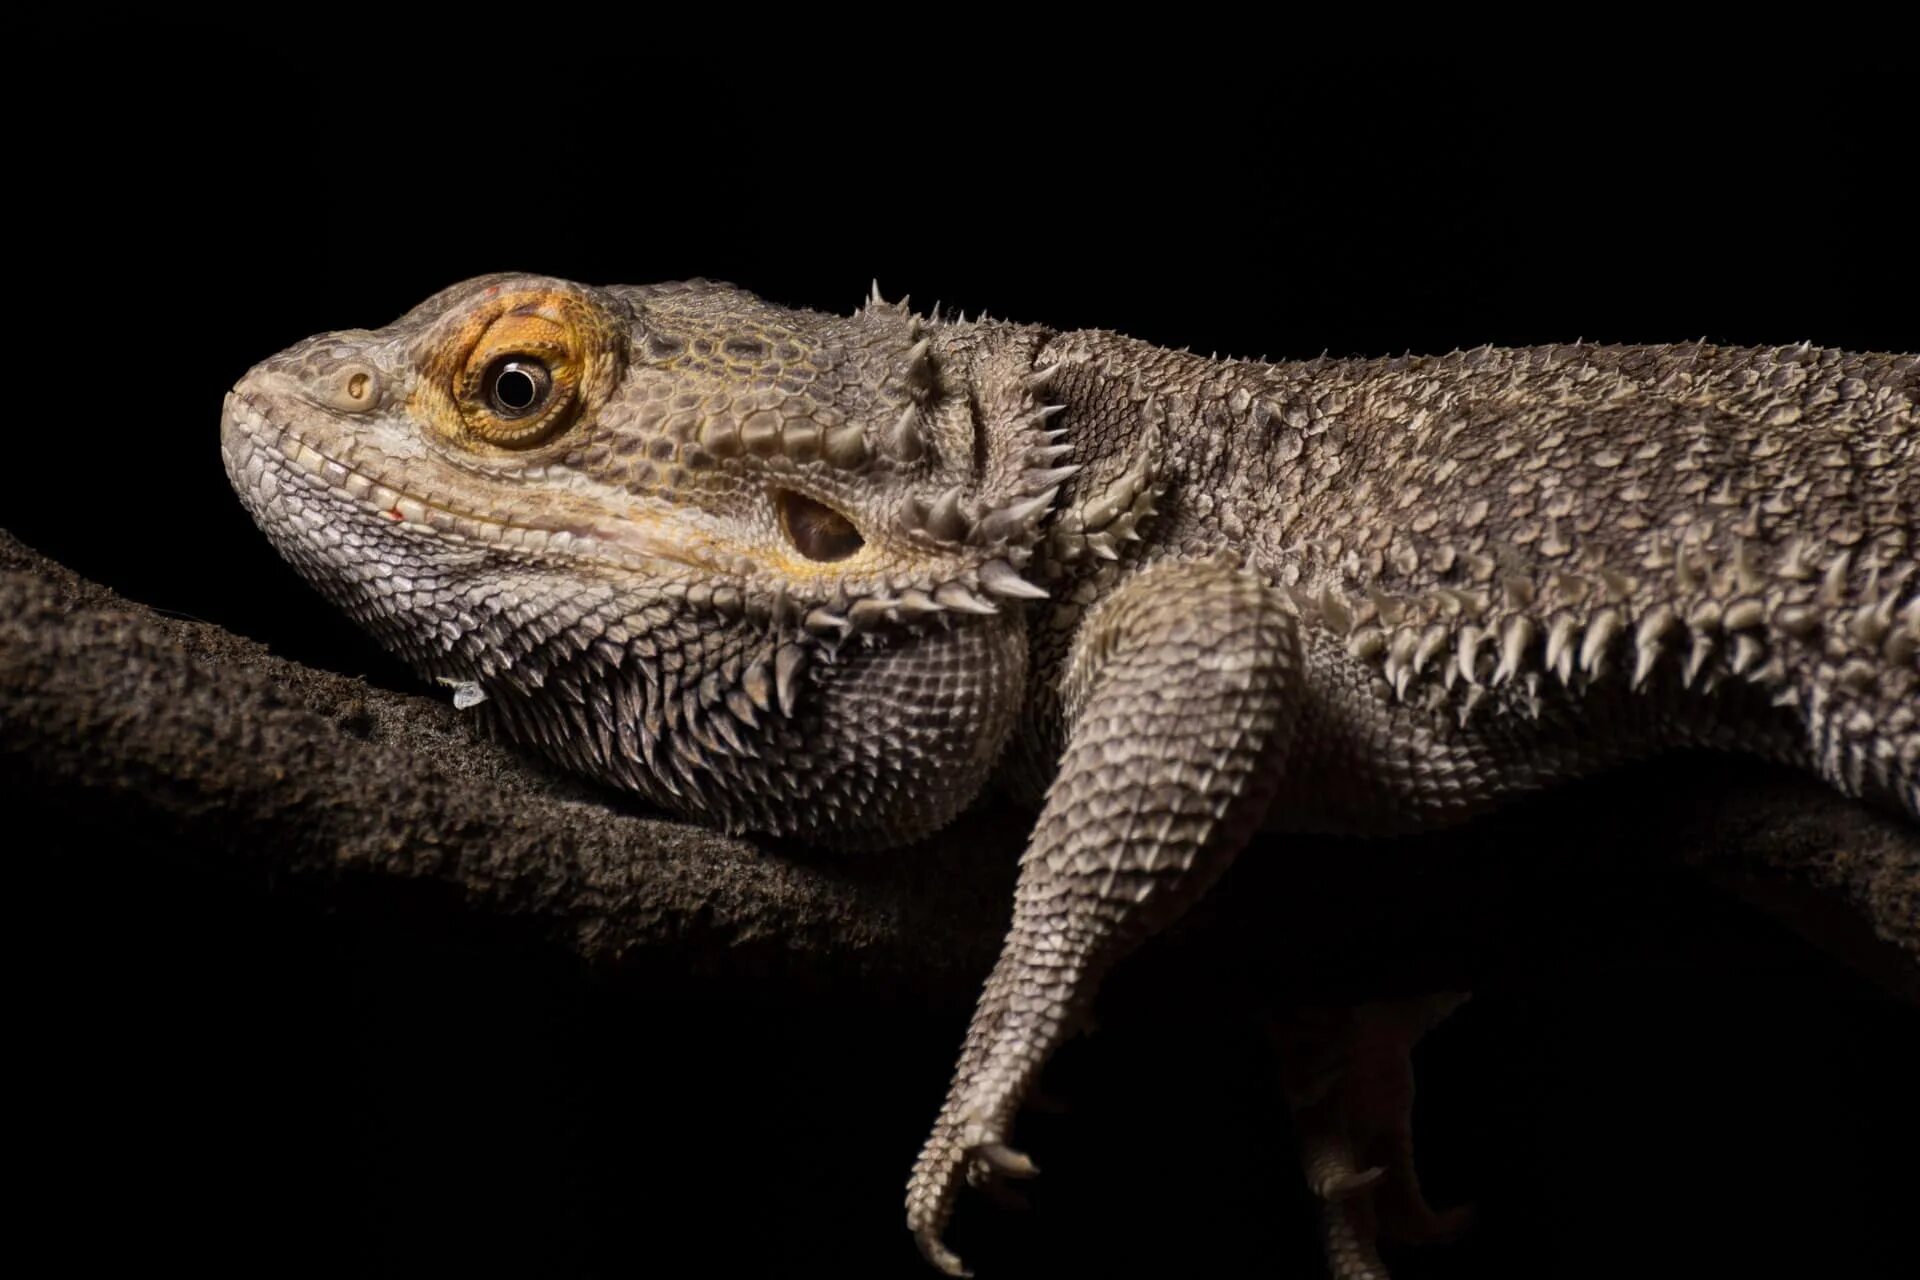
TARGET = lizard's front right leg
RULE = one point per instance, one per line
(1182, 700)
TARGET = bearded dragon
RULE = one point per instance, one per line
(832, 577)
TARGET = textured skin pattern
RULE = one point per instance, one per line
(830, 576)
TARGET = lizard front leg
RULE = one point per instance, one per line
(1181, 702)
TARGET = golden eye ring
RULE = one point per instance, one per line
(521, 367)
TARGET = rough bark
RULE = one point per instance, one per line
(118, 718)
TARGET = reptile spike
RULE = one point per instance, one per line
(1833, 585)
(1467, 654)
(729, 736)
(1042, 378)
(945, 520)
(826, 622)
(1802, 622)
(1514, 643)
(905, 440)
(1432, 640)
(1647, 639)
(788, 663)
(1335, 611)
(1870, 626)
(1684, 578)
(697, 742)
(1400, 675)
(1013, 522)
(919, 376)
(1794, 565)
(845, 448)
(1561, 634)
(1367, 644)
(1052, 478)
(870, 613)
(1697, 654)
(915, 604)
(951, 595)
(1601, 632)
(1002, 579)
(757, 684)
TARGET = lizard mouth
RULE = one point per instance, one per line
(265, 457)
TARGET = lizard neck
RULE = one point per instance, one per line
(1206, 435)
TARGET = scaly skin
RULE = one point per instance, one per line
(830, 577)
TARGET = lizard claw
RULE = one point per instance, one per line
(1340, 1186)
(1004, 1160)
(976, 1147)
(945, 1260)
(930, 1197)
(987, 1172)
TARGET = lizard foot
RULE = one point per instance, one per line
(1349, 1082)
(980, 1152)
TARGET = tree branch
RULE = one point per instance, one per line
(120, 718)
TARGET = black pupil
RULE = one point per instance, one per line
(515, 388)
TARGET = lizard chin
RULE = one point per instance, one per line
(870, 747)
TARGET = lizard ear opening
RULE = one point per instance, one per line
(816, 530)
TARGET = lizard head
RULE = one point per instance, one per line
(760, 565)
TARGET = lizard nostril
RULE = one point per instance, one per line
(353, 387)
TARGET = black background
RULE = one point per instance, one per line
(237, 1076)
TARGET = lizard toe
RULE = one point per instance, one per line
(935, 1251)
(1005, 1161)
(1352, 1182)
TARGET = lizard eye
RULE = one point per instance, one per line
(526, 370)
(817, 531)
(517, 387)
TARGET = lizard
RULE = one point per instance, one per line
(833, 577)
